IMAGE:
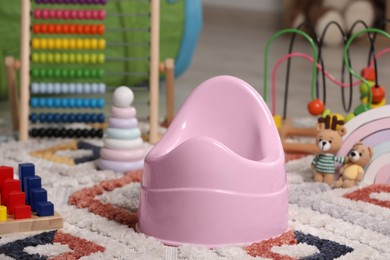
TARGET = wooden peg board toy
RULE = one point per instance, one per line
(67, 50)
(24, 203)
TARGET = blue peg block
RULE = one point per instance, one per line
(45, 209)
(31, 183)
(25, 170)
(37, 195)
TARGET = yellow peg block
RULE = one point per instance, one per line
(3, 213)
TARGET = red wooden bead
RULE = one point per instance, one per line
(44, 28)
(72, 29)
(80, 29)
(378, 94)
(37, 28)
(101, 29)
(65, 28)
(87, 29)
(94, 29)
(51, 28)
(58, 28)
(368, 74)
(316, 107)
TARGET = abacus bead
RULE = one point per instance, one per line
(65, 14)
(95, 14)
(64, 118)
(50, 44)
(99, 133)
(88, 14)
(71, 118)
(33, 118)
(79, 103)
(80, 14)
(72, 103)
(50, 73)
(80, 29)
(72, 88)
(43, 73)
(79, 118)
(101, 118)
(57, 88)
(50, 57)
(44, 28)
(72, 73)
(69, 133)
(101, 58)
(64, 102)
(57, 118)
(79, 88)
(93, 103)
(79, 74)
(56, 132)
(34, 102)
(79, 58)
(65, 29)
(85, 133)
(50, 102)
(33, 132)
(103, 2)
(57, 73)
(102, 44)
(72, 28)
(50, 88)
(86, 118)
(43, 44)
(102, 14)
(35, 88)
(102, 88)
(79, 44)
(94, 88)
(100, 103)
(52, 14)
(42, 118)
(77, 133)
(43, 87)
(73, 14)
(44, 14)
(87, 88)
(58, 57)
(87, 28)
(42, 102)
(57, 102)
(72, 58)
(93, 118)
(35, 73)
(93, 58)
(51, 28)
(101, 29)
(94, 44)
(87, 44)
(86, 103)
(49, 132)
(37, 14)
(65, 74)
(86, 58)
(65, 44)
(59, 14)
(35, 57)
(36, 28)
(87, 73)
(35, 43)
(65, 88)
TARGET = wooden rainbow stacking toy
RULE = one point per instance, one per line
(67, 52)
(24, 205)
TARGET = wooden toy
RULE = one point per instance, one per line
(64, 51)
(24, 205)
(123, 146)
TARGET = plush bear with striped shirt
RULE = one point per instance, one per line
(329, 141)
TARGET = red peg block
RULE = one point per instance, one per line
(368, 74)
(16, 198)
(5, 174)
(22, 211)
(9, 185)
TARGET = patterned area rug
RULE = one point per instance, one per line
(99, 211)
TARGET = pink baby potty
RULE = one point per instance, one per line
(217, 176)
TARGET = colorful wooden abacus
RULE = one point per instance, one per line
(68, 50)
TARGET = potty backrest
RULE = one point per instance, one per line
(229, 110)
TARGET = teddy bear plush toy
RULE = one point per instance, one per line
(353, 172)
(345, 12)
(329, 141)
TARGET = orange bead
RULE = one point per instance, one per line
(43, 28)
(51, 28)
(94, 29)
(65, 28)
(87, 29)
(101, 29)
(316, 107)
(72, 29)
(36, 28)
(80, 29)
(58, 28)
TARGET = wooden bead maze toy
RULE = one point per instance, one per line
(372, 93)
(24, 203)
(67, 50)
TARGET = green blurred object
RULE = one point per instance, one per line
(172, 22)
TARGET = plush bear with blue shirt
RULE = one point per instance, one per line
(328, 141)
